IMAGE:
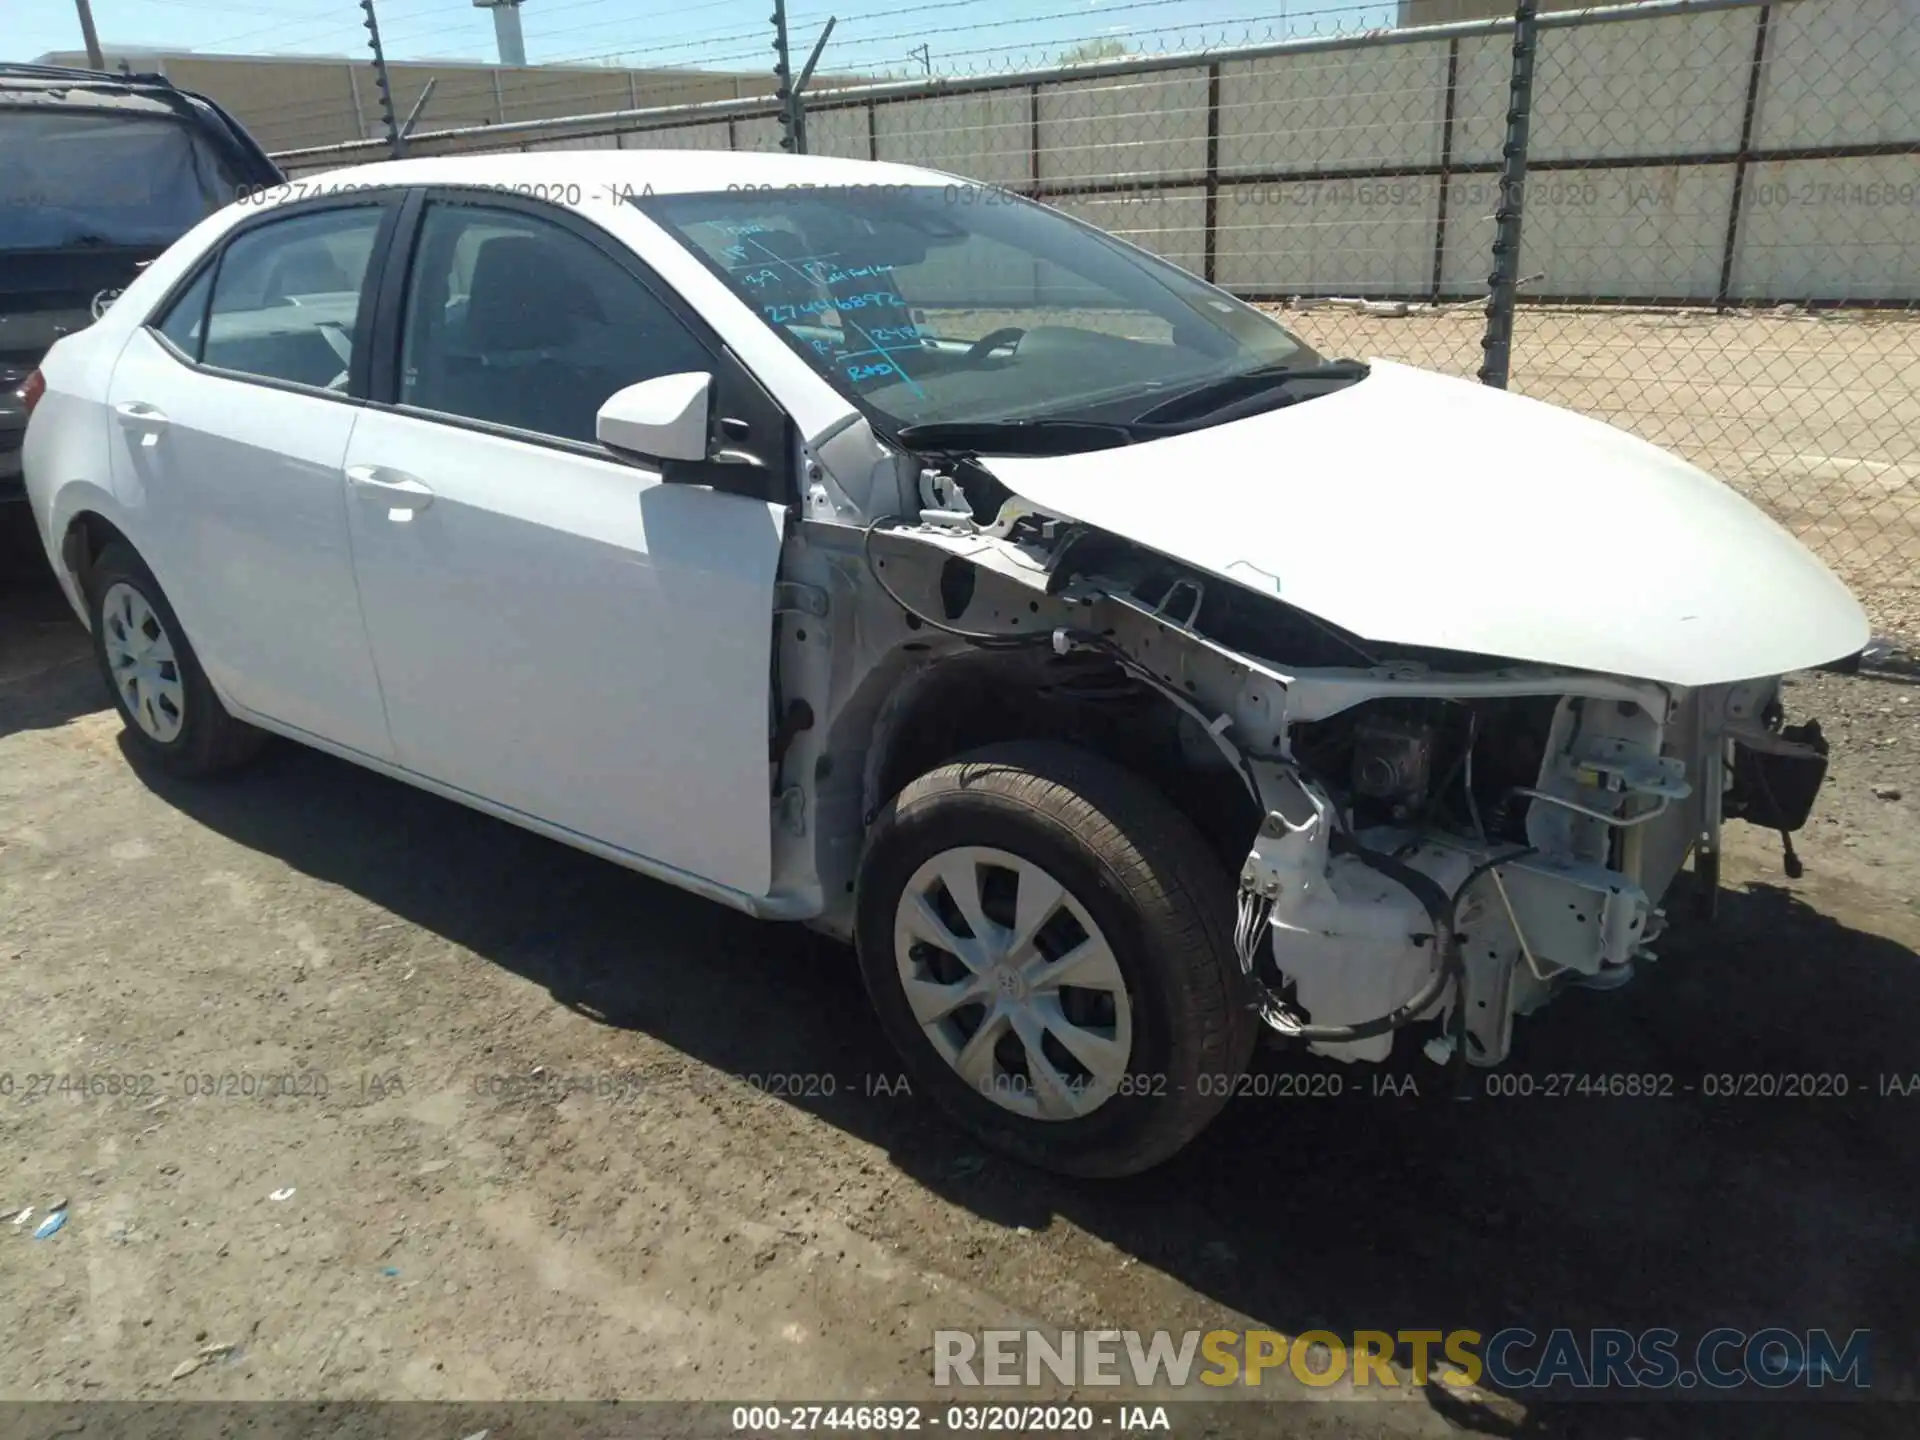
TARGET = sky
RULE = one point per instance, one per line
(871, 36)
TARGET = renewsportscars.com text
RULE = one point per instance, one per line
(1512, 1359)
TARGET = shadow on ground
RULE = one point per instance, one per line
(46, 668)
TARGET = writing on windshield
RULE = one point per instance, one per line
(923, 309)
(824, 297)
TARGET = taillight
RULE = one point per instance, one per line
(31, 389)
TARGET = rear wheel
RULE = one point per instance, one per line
(1045, 939)
(171, 713)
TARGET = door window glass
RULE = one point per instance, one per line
(513, 320)
(287, 297)
(185, 320)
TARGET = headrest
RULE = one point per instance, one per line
(526, 296)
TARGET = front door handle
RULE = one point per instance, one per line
(138, 415)
(401, 493)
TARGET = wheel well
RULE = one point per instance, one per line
(87, 535)
(979, 699)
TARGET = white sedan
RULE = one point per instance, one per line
(859, 546)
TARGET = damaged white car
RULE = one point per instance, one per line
(858, 546)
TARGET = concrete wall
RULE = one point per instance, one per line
(1347, 171)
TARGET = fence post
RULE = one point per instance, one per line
(1497, 344)
(1723, 292)
(791, 137)
(1446, 168)
(395, 141)
(1210, 240)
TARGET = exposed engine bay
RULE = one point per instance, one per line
(1419, 836)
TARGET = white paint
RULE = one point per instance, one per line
(665, 418)
(569, 637)
(236, 507)
(556, 637)
(1423, 510)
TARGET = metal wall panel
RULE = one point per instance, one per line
(1124, 128)
(1831, 229)
(1328, 237)
(1841, 72)
(1328, 108)
(986, 137)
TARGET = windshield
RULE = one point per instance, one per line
(931, 305)
(85, 178)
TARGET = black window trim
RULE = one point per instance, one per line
(390, 201)
(736, 386)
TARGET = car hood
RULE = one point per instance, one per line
(1417, 509)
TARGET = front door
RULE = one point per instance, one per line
(557, 630)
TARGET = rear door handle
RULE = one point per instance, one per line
(138, 415)
(401, 493)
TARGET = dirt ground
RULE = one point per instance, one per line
(554, 1157)
(1814, 414)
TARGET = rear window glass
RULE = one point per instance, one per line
(84, 178)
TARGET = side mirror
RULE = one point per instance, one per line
(666, 418)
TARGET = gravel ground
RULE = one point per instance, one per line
(455, 1222)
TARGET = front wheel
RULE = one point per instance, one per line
(1045, 938)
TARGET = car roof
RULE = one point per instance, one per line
(60, 89)
(596, 172)
(86, 92)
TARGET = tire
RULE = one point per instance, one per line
(172, 716)
(1139, 882)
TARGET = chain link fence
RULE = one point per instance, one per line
(1720, 216)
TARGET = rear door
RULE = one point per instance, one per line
(556, 629)
(230, 416)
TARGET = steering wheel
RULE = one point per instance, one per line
(1006, 335)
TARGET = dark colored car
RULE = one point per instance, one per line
(101, 172)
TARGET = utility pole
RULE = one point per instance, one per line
(507, 38)
(90, 35)
(394, 140)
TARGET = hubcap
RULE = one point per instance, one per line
(1013, 983)
(141, 660)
